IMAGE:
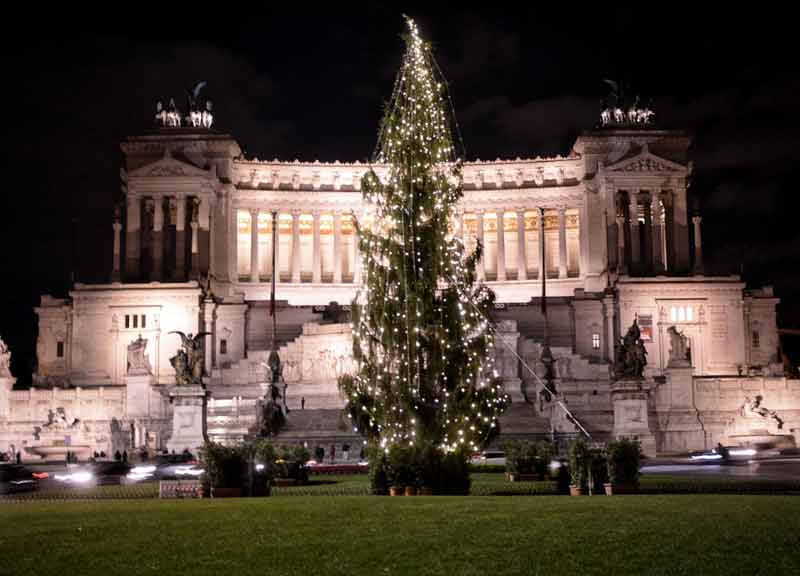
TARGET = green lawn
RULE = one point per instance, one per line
(421, 535)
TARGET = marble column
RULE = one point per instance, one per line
(254, 276)
(158, 240)
(479, 235)
(133, 230)
(337, 248)
(277, 247)
(501, 247)
(522, 261)
(356, 255)
(633, 216)
(316, 271)
(296, 246)
(658, 259)
(698, 245)
(608, 340)
(542, 248)
(647, 234)
(621, 264)
(195, 225)
(115, 264)
(562, 242)
(180, 239)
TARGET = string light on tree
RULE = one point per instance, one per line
(420, 340)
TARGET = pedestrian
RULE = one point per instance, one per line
(125, 456)
(302, 403)
(19, 457)
(333, 453)
(346, 451)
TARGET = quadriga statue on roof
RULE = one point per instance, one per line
(188, 362)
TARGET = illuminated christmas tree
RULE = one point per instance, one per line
(421, 334)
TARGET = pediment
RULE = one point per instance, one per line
(169, 166)
(645, 161)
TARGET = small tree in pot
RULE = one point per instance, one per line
(578, 467)
(623, 458)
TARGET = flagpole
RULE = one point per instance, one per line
(275, 273)
(547, 355)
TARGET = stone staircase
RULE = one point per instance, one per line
(321, 424)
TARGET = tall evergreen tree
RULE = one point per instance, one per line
(421, 334)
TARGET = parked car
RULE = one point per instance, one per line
(16, 478)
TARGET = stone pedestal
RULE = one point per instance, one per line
(629, 399)
(188, 419)
(137, 395)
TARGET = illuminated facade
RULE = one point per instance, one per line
(193, 252)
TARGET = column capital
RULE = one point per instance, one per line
(253, 212)
(116, 226)
(296, 212)
(696, 220)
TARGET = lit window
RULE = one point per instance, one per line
(681, 314)
(60, 349)
(595, 341)
(756, 339)
(223, 346)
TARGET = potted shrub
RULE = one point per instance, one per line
(598, 471)
(226, 468)
(454, 478)
(544, 455)
(578, 467)
(400, 469)
(378, 470)
(623, 458)
(521, 461)
(429, 466)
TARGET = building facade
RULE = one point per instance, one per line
(193, 252)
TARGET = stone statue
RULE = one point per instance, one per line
(5, 360)
(57, 420)
(752, 408)
(207, 118)
(138, 362)
(679, 346)
(188, 362)
(631, 355)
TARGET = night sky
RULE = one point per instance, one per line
(310, 84)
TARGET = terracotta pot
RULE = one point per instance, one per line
(411, 491)
(225, 492)
(577, 491)
(395, 491)
(425, 491)
(626, 488)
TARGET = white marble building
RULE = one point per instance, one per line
(193, 252)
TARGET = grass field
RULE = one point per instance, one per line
(420, 535)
